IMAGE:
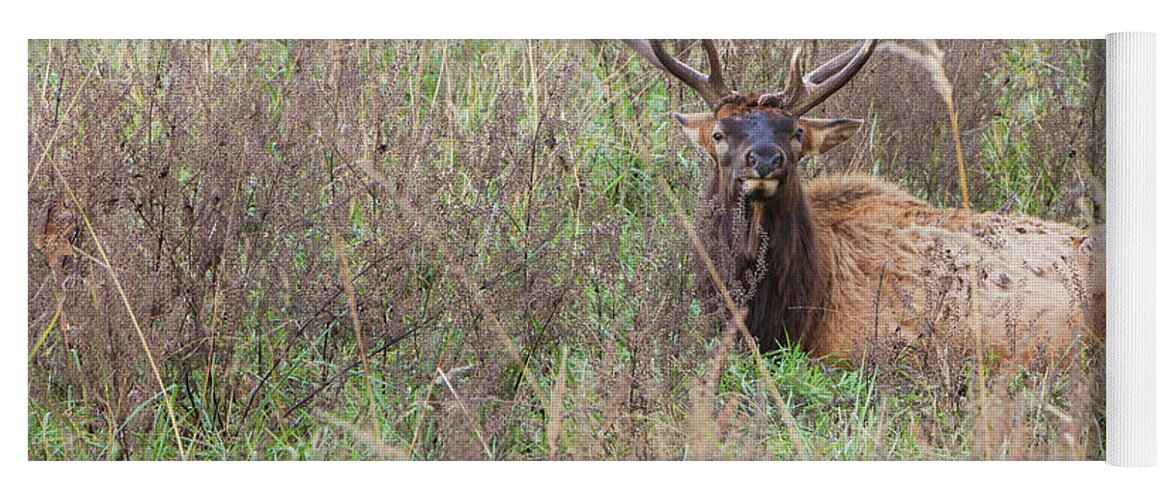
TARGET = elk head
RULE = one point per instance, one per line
(757, 140)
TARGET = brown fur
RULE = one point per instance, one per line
(857, 264)
(791, 299)
(849, 264)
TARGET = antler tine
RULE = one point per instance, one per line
(707, 88)
(711, 88)
(716, 79)
(643, 48)
(835, 65)
(803, 93)
(794, 87)
(830, 77)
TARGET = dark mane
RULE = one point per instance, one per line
(861, 264)
(788, 298)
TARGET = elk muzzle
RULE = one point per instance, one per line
(765, 169)
(765, 162)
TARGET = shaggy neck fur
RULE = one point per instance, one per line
(793, 288)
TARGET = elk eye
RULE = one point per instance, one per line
(798, 134)
(717, 137)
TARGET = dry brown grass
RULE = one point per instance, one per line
(491, 214)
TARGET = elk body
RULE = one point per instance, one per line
(852, 263)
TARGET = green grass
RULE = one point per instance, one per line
(583, 218)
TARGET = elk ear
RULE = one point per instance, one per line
(823, 135)
(698, 127)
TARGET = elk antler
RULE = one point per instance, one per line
(711, 88)
(802, 93)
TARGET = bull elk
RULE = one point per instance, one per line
(852, 263)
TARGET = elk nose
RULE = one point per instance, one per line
(764, 161)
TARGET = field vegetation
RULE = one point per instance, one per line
(305, 250)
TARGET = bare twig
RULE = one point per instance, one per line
(125, 302)
(738, 320)
(344, 371)
(352, 299)
(473, 289)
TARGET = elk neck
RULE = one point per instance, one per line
(793, 289)
(783, 219)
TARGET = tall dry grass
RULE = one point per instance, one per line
(467, 250)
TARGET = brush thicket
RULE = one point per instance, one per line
(489, 222)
